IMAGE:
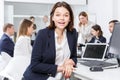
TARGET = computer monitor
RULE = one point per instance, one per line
(114, 45)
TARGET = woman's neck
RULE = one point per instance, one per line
(60, 35)
(59, 32)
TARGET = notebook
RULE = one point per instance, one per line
(94, 55)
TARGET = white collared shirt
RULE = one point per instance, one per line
(62, 50)
(62, 53)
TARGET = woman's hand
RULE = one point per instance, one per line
(69, 62)
(68, 70)
(60, 68)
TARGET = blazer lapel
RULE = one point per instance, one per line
(51, 41)
(69, 38)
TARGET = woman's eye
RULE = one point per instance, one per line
(66, 15)
(57, 14)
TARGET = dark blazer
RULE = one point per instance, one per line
(43, 55)
(6, 45)
(100, 40)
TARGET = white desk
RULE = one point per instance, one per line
(83, 72)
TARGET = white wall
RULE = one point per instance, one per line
(115, 9)
(8, 15)
(75, 2)
(1, 16)
(104, 10)
(119, 10)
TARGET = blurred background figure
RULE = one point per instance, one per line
(33, 36)
(22, 52)
(84, 31)
(111, 25)
(6, 45)
(46, 20)
(111, 28)
(97, 35)
(32, 18)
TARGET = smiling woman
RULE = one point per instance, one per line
(54, 52)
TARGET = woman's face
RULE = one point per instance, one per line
(11, 30)
(83, 19)
(61, 17)
(94, 32)
(30, 30)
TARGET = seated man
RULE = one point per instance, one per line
(6, 43)
(111, 28)
(111, 25)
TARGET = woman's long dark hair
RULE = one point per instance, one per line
(97, 27)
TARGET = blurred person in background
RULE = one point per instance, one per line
(6, 45)
(22, 52)
(33, 36)
(46, 20)
(84, 28)
(97, 35)
(84, 31)
(111, 25)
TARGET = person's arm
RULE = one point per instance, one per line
(5, 57)
(92, 40)
(68, 69)
(74, 50)
(102, 39)
(7, 46)
(69, 64)
(60, 68)
(38, 62)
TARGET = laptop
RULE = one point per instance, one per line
(94, 51)
(94, 55)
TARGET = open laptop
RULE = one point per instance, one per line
(94, 55)
(94, 51)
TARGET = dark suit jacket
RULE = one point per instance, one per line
(100, 40)
(6, 45)
(43, 55)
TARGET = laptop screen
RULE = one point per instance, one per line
(94, 51)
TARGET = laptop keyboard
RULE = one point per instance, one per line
(91, 63)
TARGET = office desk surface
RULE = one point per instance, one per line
(83, 72)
